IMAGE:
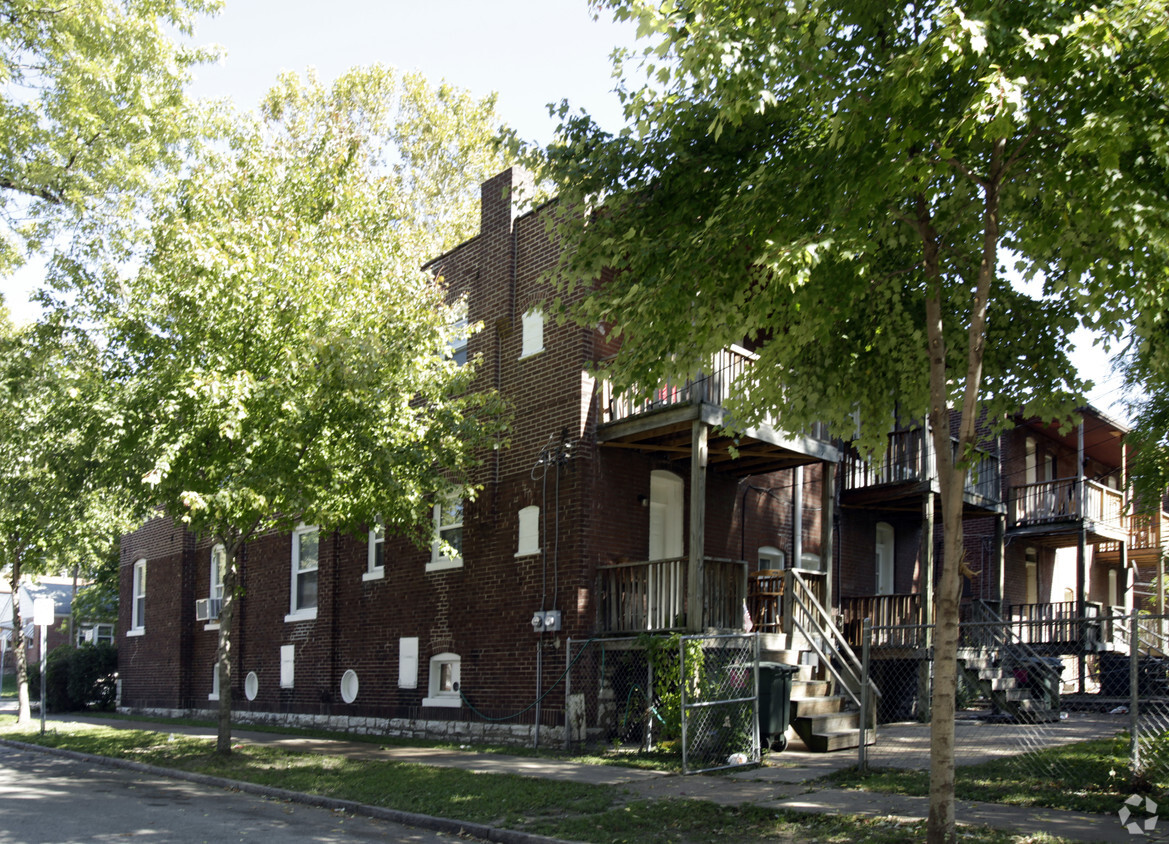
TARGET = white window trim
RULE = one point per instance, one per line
(533, 317)
(525, 516)
(297, 613)
(451, 699)
(214, 683)
(215, 574)
(373, 572)
(460, 341)
(137, 625)
(439, 562)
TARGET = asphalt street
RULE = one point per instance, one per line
(47, 799)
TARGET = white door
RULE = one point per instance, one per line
(665, 515)
(884, 558)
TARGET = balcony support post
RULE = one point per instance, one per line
(827, 514)
(696, 602)
(927, 567)
(1000, 558)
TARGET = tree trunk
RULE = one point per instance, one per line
(20, 646)
(226, 656)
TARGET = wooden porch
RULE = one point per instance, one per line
(1049, 629)
(653, 596)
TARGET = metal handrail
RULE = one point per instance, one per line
(1005, 638)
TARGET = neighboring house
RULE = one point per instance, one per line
(609, 517)
(60, 589)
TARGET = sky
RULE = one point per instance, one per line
(530, 52)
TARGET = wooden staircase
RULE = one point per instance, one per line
(824, 720)
(999, 680)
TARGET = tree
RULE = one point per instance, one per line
(283, 358)
(92, 103)
(55, 427)
(842, 184)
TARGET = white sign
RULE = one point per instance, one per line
(43, 612)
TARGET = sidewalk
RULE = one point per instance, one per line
(786, 784)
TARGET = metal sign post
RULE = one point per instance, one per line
(42, 617)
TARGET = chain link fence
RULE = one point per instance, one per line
(1026, 686)
(694, 695)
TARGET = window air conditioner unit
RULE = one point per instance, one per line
(207, 609)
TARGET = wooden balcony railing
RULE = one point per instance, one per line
(896, 620)
(1046, 623)
(713, 387)
(653, 595)
(910, 458)
(1148, 531)
(1059, 500)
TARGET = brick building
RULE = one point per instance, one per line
(604, 516)
(613, 515)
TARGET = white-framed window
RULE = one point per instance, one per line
(444, 681)
(215, 579)
(90, 633)
(532, 338)
(305, 558)
(375, 565)
(884, 548)
(138, 600)
(446, 552)
(529, 539)
(214, 683)
(1031, 568)
(770, 558)
(458, 343)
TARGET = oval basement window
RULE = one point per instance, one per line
(349, 686)
(251, 685)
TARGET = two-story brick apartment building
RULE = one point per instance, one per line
(605, 515)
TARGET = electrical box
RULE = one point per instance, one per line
(546, 621)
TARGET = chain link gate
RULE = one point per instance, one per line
(719, 701)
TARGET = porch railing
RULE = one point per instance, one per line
(897, 620)
(1058, 500)
(1148, 530)
(910, 458)
(713, 387)
(653, 595)
(1045, 623)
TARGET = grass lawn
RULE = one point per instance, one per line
(565, 810)
(1088, 776)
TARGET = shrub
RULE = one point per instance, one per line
(93, 675)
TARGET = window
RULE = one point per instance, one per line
(95, 634)
(214, 683)
(447, 550)
(770, 558)
(215, 592)
(375, 567)
(529, 542)
(305, 556)
(532, 340)
(1031, 567)
(444, 681)
(458, 343)
(138, 601)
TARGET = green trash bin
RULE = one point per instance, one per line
(775, 703)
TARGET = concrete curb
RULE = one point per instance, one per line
(477, 830)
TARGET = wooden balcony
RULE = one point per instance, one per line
(1147, 535)
(1052, 512)
(908, 469)
(660, 421)
(1059, 627)
(651, 596)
